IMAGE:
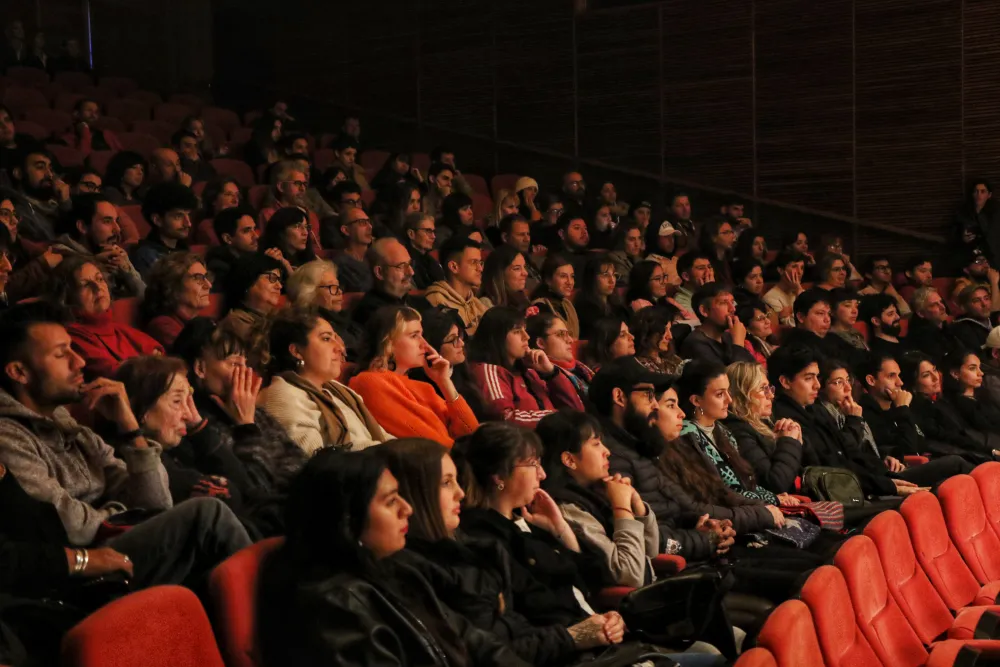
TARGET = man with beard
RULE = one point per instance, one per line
(289, 185)
(165, 167)
(39, 197)
(623, 394)
(92, 230)
(515, 231)
(393, 280)
(84, 135)
(879, 312)
(975, 270)
(237, 233)
(930, 331)
(167, 207)
(972, 329)
(574, 190)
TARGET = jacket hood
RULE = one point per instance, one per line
(451, 297)
(11, 408)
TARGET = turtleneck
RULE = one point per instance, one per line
(101, 323)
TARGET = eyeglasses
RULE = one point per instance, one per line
(477, 263)
(430, 231)
(95, 284)
(206, 278)
(841, 382)
(273, 277)
(299, 184)
(334, 290)
(648, 394)
(89, 186)
(554, 212)
(658, 279)
(839, 269)
(760, 318)
(454, 340)
(767, 390)
(530, 463)
(562, 333)
(402, 266)
(361, 221)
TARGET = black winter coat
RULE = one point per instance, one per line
(476, 578)
(941, 422)
(634, 459)
(775, 463)
(826, 444)
(894, 430)
(924, 337)
(32, 543)
(699, 346)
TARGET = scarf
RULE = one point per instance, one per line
(867, 439)
(577, 373)
(332, 422)
(589, 499)
(706, 443)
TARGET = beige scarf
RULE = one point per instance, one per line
(332, 422)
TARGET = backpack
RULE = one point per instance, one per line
(824, 483)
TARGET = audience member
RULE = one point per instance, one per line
(15, 51)
(518, 383)
(167, 207)
(236, 230)
(654, 348)
(976, 269)
(338, 570)
(773, 449)
(679, 213)
(748, 280)
(628, 249)
(463, 268)
(601, 227)
(798, 242)
(444, 155)
(262, 149)
(734, 210)
(165, 167)
(721, 335)
(573, 241)
(647, 286)
(695, 271)
(406, 407)
(394, 204)
(878, 274)
(515, 231)
(195, 124)
(716, 240)
(315, 203)
(305, 395)
(252, 294)
(879, 312)
(751, 246)
(844, 309)
(396, 169)
(288, 239)
(917, 272)
(661, 246)
(834, 244)
(37, 56)
(812, 319)
(102, 343)
(555, 292)
(454, 213)
(179, 288)
(419, 243)
(962, 380)
(991, 366)
(610, 339)
(550, 334)
(976, 219)
(58, 461)
(596, 297)
(439, 178)
(83, 181)
(393, 280)
(340, 197)
(507, 204)
(185, 144)
(574, 192)
(505, 277)
(354, 270)
(40, 197)
(546, 232)
(526, 189)
(642, 212)
(123, 178)
(289, 186)
(92, 230)
(71, 59)
(979, 317)
(345, 153)
(444, 331)
(84, 136)
(929, 330)
(316, 285)
(757, 316)
(790, 266)
(831, 272)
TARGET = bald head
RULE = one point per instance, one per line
(164, 166)
(390, 264)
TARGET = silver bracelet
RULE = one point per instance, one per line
(80, 561)
(86, 560)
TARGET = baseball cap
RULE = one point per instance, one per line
(993, 339)
(642, 203)
(667, 229)
(623, 373)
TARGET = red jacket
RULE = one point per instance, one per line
(84, 141)
(105, 344)
(524, 397)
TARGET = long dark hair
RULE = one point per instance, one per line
(744, 245)
(638, 281)
(648, 326)
(121, 162)
(564, 431)
(603, 335)
(212, 190)
(243, 275)
(274, 235)
(953, 362)
(588, 287)
(494, 281)
(491, 451)
(416, 465)
(489, 345)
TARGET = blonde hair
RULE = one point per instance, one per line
(745, 377)
(302, 284)
(383, 328)
(502, 196)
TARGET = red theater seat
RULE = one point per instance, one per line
(155, 128)
(757, 657)
(20, 100)
(129, 110)
(841, 640)
(503, 182)
(374, 159)
(56, 122)
(66, 157)
(969, 528)
(32, 129)
(172, 113)
(225, 119)
(74, 81)
(789, 636)
(110, 123)
(987, 476)
(99, 160)
(120, 85)
(238, 169)
(30, 77)
(140, 142)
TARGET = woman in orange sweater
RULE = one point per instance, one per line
(405, 407)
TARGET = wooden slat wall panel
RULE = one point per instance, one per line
(804, 95)
(981, 89)
(382, 40)
(708, 72)
(456, 80)
(909, 117)
(534, 70)
(619, 88)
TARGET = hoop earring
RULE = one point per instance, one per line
(300, 364)
(499, 486)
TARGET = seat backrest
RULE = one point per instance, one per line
(172, 113)
(162, 626)
(843, 644)
(74, 80)
(756, 657)
(224, 118)
(140, 142)
(373, 159)
(323, 158)
(155, 128)
(913, 592)
(789, 635)
(987, 476)
(66, 157)
(99, 160)
(214, 307)
(883, 624)
(971, 532)
(134, 213)
(65, 101)
(238, 169)
(33, 129)
(233, 588)
(128, 110)
(503, 182)
(119, 84)
(935, 551)
(57, 122)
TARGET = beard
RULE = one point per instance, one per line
(893, 330)
(44, 191)
(643, 428)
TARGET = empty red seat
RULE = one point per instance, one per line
(67, 157)
(111, 124)
(102, 96)
(141, 225)
(322, 159)
(140, 142)
(57, 122)
(233, 588)
(237, 169)
(239, 136)
(29, 77)
(256, 195)
(216, 134)
(205, 233)
(120, 85)
(757, 657)
(939, 558)
(163, 626)
(187, 99)
(162, 131)
(99, 160)
(32, 129)
(146, 97)
(969, 528)
(789, 635)
(503, 182)
(73, 81)
(66, 101)
(482, 206)
(129, 110)
(477, 183)
(987, 476)
(172, 113)
(223, 118)
(374, 159)
(841, 640)
(421, 161)
(20, 100)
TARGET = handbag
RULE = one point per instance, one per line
(833, 484)
(797, 532)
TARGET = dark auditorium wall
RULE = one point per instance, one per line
(873, 108)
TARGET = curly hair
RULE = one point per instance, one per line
(165, 284)
(62, 287)
(382, 329)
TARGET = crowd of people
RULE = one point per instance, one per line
(464, 429)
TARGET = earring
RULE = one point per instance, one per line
(300, 364)
(391, 364)
(499, 486)
(698, 412)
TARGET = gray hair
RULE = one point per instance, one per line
(919, 299)
(301, 285)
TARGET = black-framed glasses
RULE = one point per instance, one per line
(454, 340)
(206, 278)
(299, 184)
(272, 277)
(402, 266)
(334, 290)
(648, 394)
(430, 231)
(89, 186)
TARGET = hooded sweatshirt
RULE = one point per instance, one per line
(58, 461)
(471, 310)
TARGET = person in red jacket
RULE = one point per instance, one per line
(519, 384)
(84, 136)
(103, 343)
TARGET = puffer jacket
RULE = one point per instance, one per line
(775, 463)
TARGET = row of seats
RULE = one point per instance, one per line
(919, 587)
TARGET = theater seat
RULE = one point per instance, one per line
(233, 589)
(757, 657)
(19, 100)
(373, 159)
(503, 182)
(141, 225)
(129, 110)
(939, 558)
(30, 77)
(162, 131)
(789, 636)
(121, 85)
(969, 528)
(32, 129)
(56, 122)
(67, 157)
(237, 169)
(841, 640)
(987, 476)
(214, 308)
(256, 195)
(173, 114)
(225, 119)
(478, 184)
(163, 626)
(99, 160)
(74, 81)
(205, 233)
(351, 299)
(110, 123)
(140, 142)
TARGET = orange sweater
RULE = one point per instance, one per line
(410, 408)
